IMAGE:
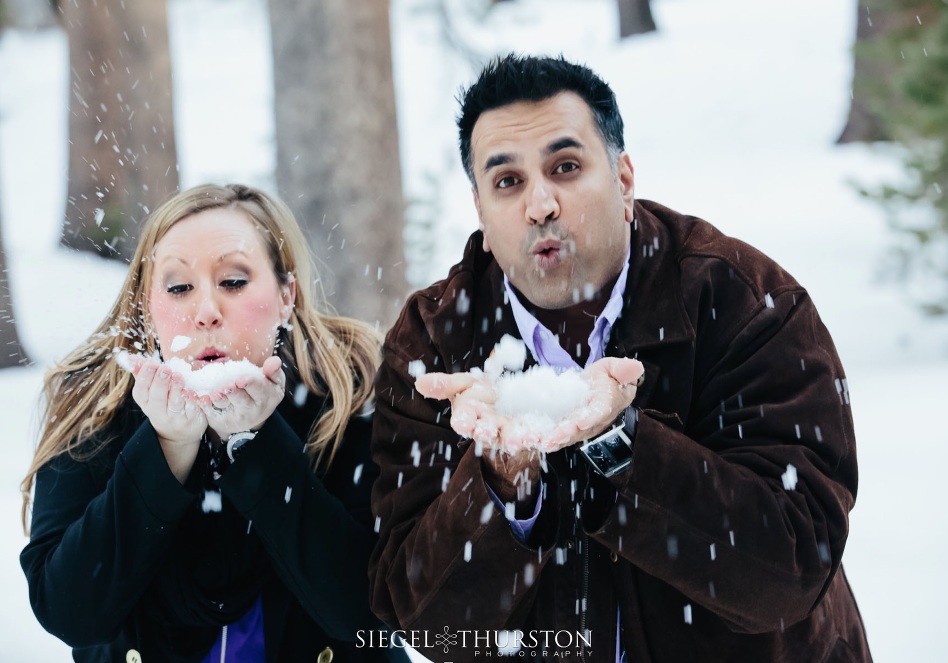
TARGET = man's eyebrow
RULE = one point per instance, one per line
(497, 160)
(555, 146)
(562, 144)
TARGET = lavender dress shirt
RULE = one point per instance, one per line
(546, 349)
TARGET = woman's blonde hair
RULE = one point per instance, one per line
(335, 357)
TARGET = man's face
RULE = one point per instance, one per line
(555, 212)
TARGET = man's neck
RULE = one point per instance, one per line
(575, 323)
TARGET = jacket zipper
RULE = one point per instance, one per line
(223, 643)
(585, 553)
(582, 618)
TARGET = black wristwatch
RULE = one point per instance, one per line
(237, 441)
(611, 453)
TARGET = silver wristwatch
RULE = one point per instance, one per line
(611, 452)
(236, 441)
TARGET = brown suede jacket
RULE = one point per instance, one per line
(706, 553)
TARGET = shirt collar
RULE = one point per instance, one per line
(543, 343)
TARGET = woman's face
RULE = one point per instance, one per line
(214, 295)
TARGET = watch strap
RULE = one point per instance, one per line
(236, 442)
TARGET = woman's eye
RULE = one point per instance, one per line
(179, 289)
(233, 284)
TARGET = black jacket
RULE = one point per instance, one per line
(122, 556)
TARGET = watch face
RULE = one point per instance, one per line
(609, 453)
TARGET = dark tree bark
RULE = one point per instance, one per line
(337, 148)
(11, 350)
(122, 158)
(635, 17)
(876, 64)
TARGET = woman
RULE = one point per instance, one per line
(231, 526)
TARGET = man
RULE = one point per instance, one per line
(709, 520)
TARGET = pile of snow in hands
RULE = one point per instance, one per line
(538, 398)
(207, 379)
(535, 400)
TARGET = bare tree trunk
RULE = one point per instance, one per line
(122, 158)
(876, 66)
(635, 17)
(11, 350)
(862, 124)
(337, 147)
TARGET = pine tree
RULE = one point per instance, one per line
(913, 106)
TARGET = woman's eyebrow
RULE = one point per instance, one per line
(220, 258)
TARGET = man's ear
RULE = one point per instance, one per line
(626, 181)
(480, 218)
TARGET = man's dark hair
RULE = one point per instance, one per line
(512, 78)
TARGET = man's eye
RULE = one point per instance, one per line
(179, 289)
(233, 284)
(566, 167)
(507, 182)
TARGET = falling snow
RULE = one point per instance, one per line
(300, 393)
(789, 478)
(845, 297)
(416, 368)
(211, 502)
(180, 343)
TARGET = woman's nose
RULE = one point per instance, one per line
(208, 313)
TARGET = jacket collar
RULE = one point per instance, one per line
(652, 313)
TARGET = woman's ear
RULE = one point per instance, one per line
(287, 299)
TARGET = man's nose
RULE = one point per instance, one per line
(542, 205)
(208, 313)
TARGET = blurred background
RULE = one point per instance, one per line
(814, 130)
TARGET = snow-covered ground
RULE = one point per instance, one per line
(731, 111)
